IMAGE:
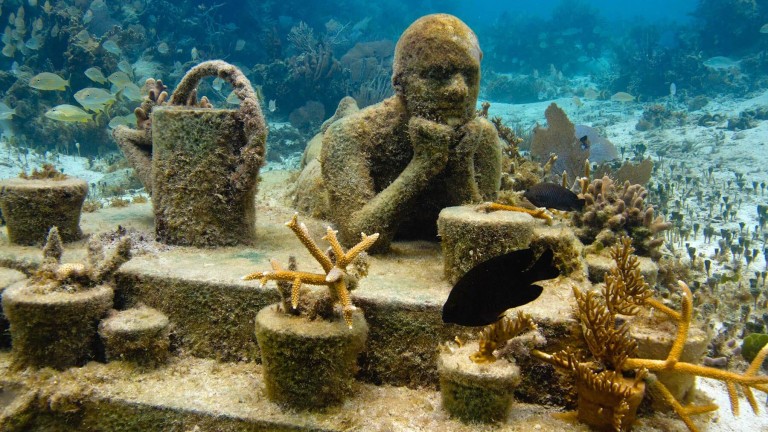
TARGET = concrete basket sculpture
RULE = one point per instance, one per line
(201, 164)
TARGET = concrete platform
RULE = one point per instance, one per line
(191, 394)
(212, 310)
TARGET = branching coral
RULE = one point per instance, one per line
(611, 210)
(611, 346)
(72, 277)
(334, 262)
(497, 334)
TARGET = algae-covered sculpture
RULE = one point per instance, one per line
(478, 387)
(54, 315)
(309, 351)
(392, 167)
(612, 386)
(204, 162)
(32, 204)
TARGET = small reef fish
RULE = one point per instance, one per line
(485, 292)
(601, 149)
(132, 92)
(33, 43)
(126, 67)
(721, 63)
(163, 48)
(111, 47)
(591, 93)
(272, 105)
(47, 8)
(95, 75)
(622, 97)
(94, 99)
(120, 79)
(126, 120)
(764, 28)
(232, 99)
(6, 112)
(239, 45)
(551, 195)
(67, 113)
(48, 81)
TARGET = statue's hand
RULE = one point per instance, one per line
(469, 136)
(431, 142)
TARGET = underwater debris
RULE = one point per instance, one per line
(482, 295)
(551, 195)
(334, 263)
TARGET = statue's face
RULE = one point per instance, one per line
(443, 92)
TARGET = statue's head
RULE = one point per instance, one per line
(437, 69)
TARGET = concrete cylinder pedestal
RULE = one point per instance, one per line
(469, 237)
(308, 364)
(475, 392)
(31, 207)
(56, 329)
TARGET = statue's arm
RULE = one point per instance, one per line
(474, 166)
(348, 179)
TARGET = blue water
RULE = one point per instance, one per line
(613, 46)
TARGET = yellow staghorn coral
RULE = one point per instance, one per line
(747, 381)
(334, 264)
(625, 292)
(495, 335)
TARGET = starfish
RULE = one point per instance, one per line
(334, 266)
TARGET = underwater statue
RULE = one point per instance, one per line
(392, 167)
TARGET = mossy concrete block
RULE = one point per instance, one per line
(654, 338)
(56, 329)
(308, 364)
(567, 248)
(475, 392)
(139, 335)
(600, 265)
(32, 207)
(8, 277)
(469, 237)
(195, 152)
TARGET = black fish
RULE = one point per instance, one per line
(585, 142)
(482, 295)
(551, 195)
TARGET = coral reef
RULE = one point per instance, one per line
(611, 211)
